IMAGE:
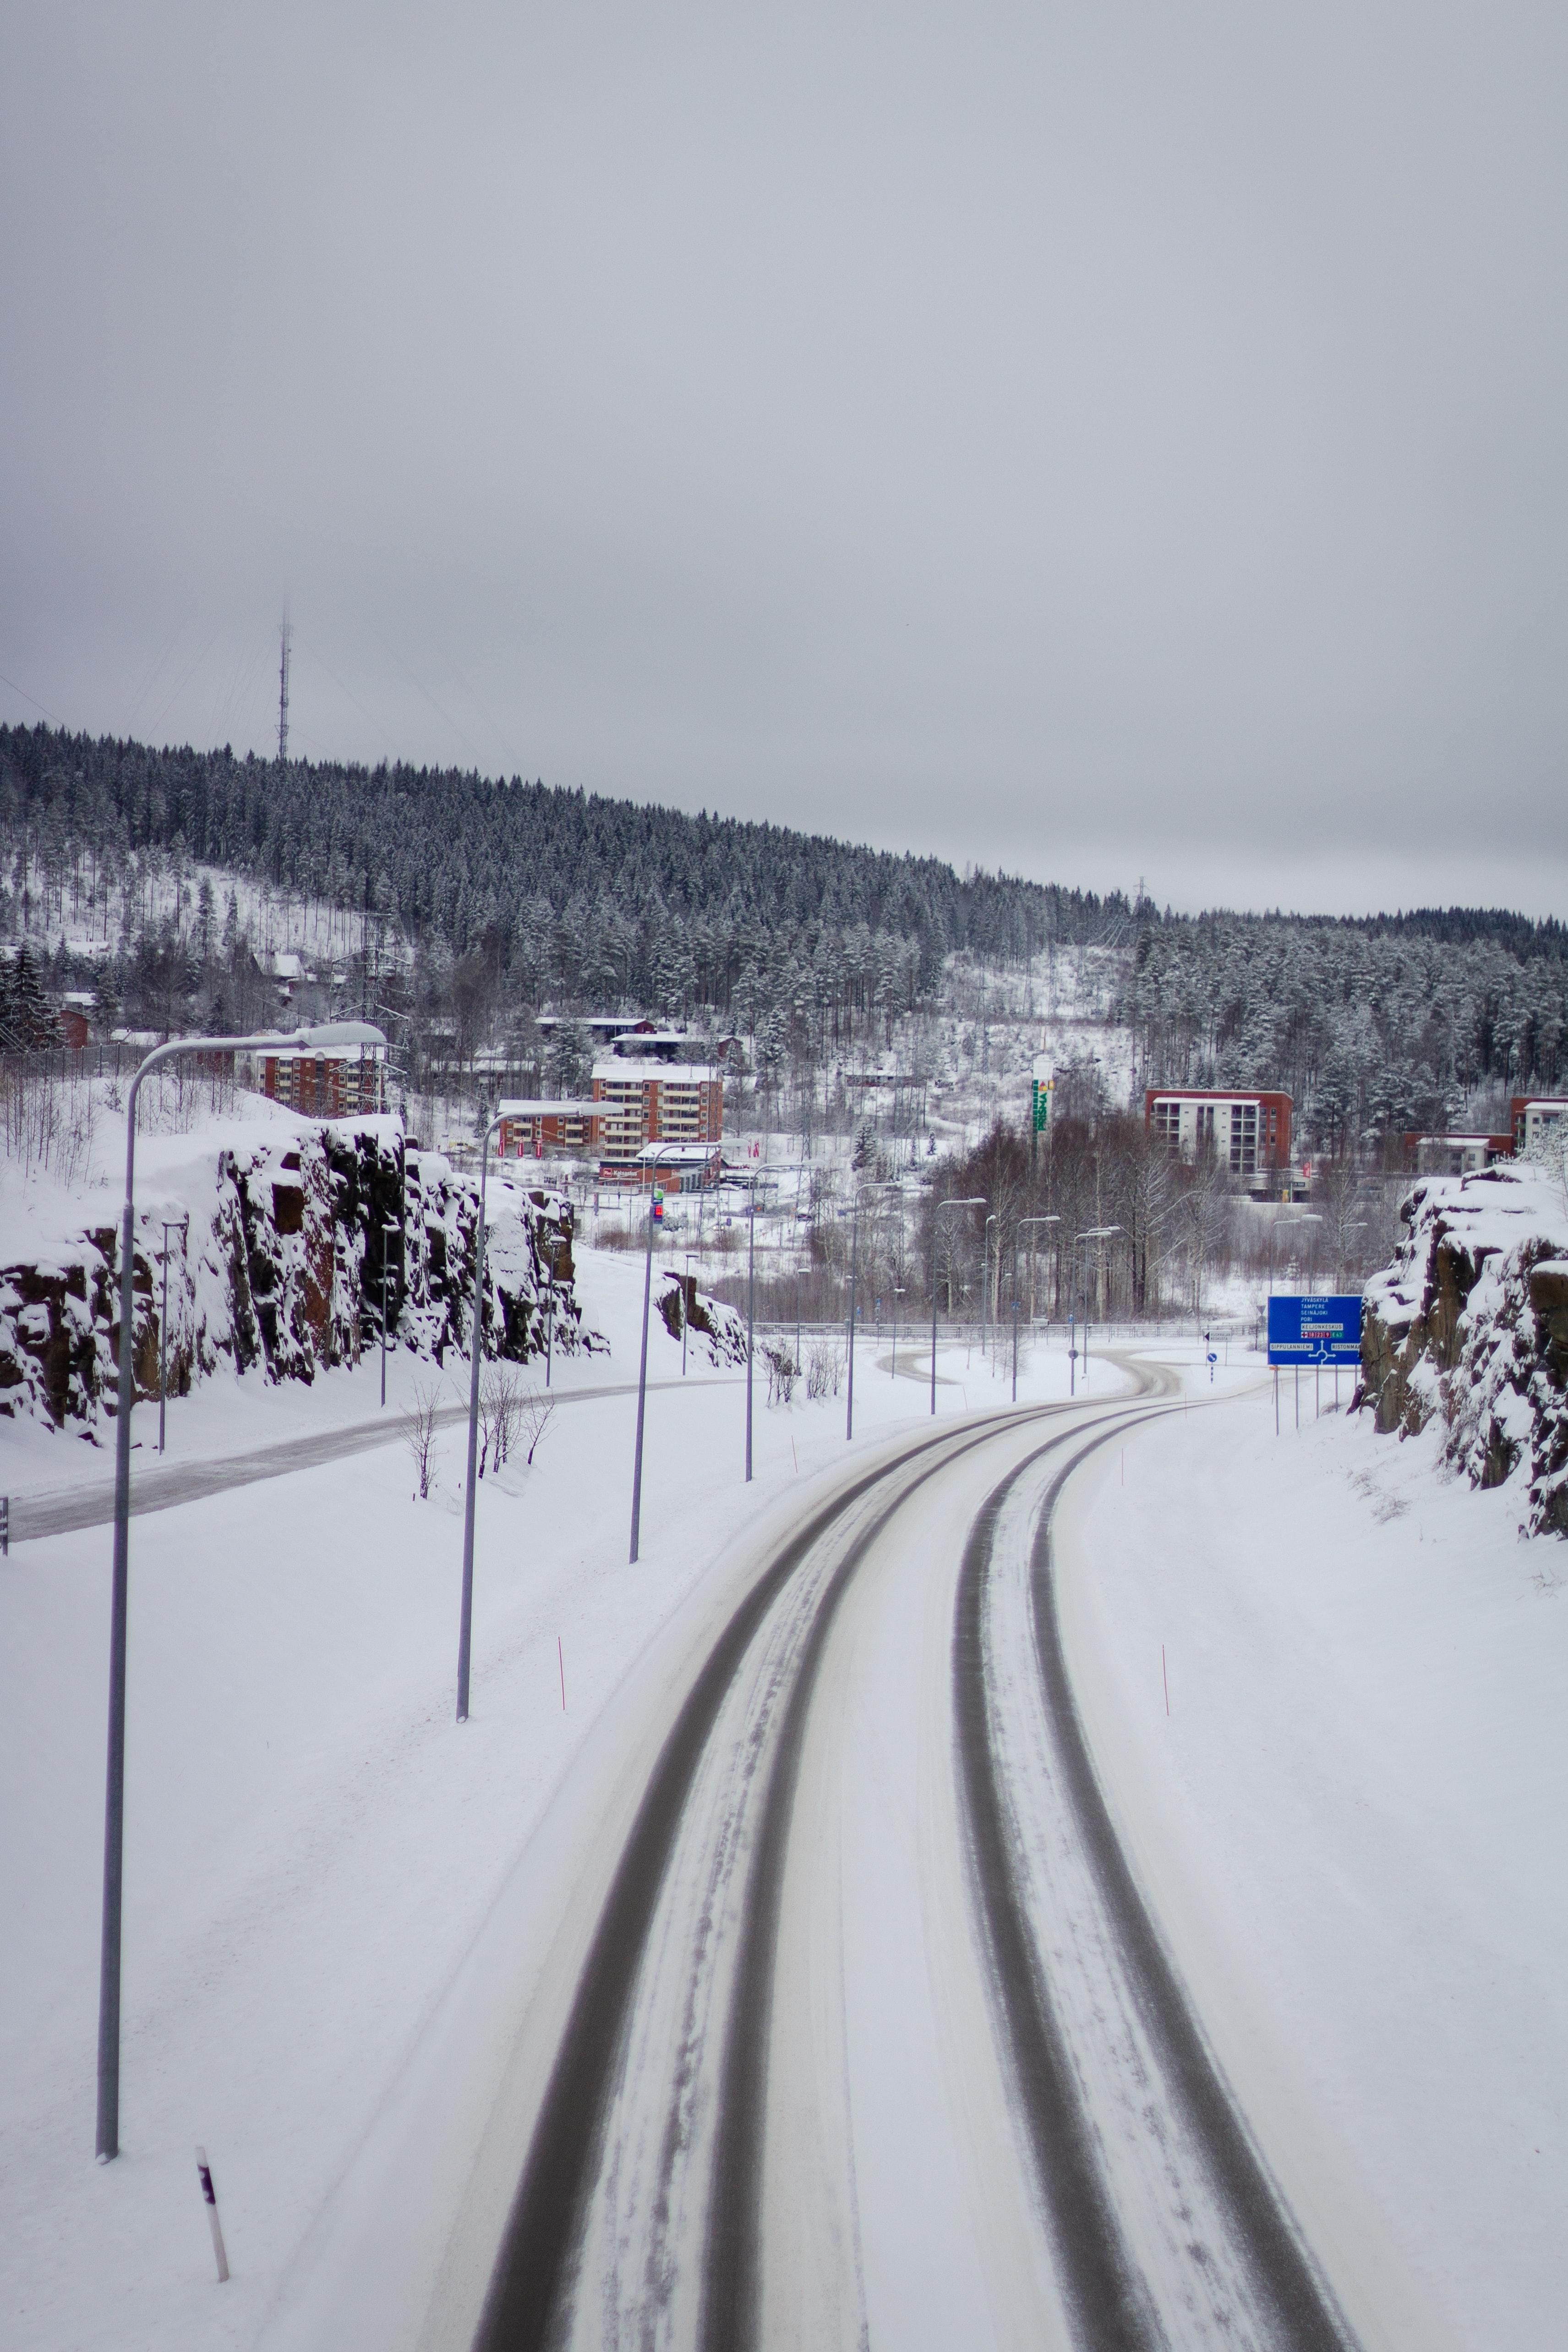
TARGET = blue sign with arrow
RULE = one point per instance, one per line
(1314, 1330)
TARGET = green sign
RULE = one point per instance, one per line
(1042, 1091)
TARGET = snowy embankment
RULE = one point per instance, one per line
(314, 1849)
(273, 1232)
(1468, 1329)
(1350, 1824)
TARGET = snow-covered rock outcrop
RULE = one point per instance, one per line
(1470, 1323)
(712, 1330)
(276, 1259)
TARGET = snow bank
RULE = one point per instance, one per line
(1470, 1323)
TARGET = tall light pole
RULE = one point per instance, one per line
(171, 1225)
(1090, 1233)
(324, 1037)
(1277, 1226)
(1036, 1221)
(475, 1351)
(974, 1200)
(897, 1295)
(549, 1332)
(387, 1231)
(986, 1285)
(854, 1274)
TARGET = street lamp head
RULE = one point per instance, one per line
(326, 1034)
(970, 1201)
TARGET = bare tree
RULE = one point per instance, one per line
(419, 1425)
(536, 1412)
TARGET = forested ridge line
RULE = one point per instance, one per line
(451, 854)
(455, 854)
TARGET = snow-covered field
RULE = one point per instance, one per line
(333, 1894)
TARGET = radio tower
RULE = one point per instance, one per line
(283, 694)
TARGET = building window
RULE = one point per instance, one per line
(1167, 1126)
(1243, 1138)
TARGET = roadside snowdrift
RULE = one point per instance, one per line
(1470, 1323)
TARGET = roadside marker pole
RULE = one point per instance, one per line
(209, 2197)
(1164, 1677)
(560, 1660)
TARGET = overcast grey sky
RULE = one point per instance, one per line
(1105, 440)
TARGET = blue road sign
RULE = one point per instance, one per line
(1314, 1330)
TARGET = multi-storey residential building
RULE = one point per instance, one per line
(640, 1099)
(1532, 1115)
(533, 1125)
(324, 1085)
(1248, 1134)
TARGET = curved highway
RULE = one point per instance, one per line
(875, 2043)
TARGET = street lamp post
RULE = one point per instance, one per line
(855, 1276)
(974, 1200)
(475, 1351)
(171, 1225)
(1281, 1225)
(1090, 1233)
(387, 1231)
(549, 1328)
(327, 1035)
(986, 1287)
(1035, 1221)
(897, 1295)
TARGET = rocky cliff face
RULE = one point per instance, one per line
(1470, 1323)
(279, 1263)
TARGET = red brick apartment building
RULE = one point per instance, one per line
(641, 1100)
(1249, 1134)
(325, 1086)
(534, 1124)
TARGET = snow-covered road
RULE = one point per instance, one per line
(873, 2040)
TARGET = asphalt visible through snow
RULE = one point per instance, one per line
(159, 1485)
(875, 2042)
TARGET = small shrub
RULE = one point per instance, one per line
(536, 1412)
(783, 1372)
(824, 1369)
(419, 1425)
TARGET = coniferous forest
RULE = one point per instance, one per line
(480, 901)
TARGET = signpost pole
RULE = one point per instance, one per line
(1276, 1400)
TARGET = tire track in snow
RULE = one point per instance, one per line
(768, 1654)
(1165, 2227)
